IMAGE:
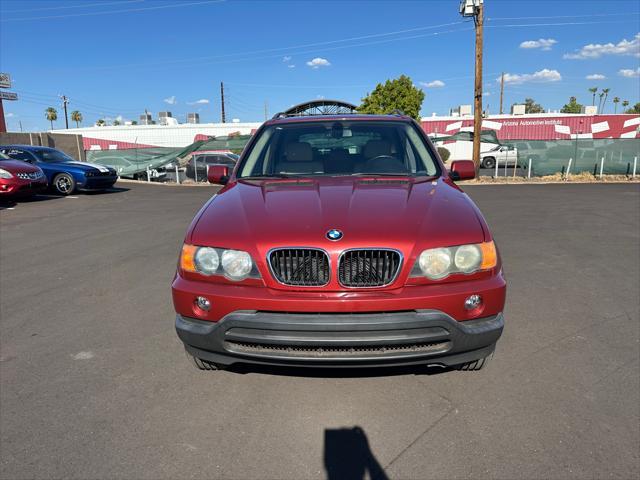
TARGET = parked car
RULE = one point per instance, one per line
(64, 174)
(19, 178)
(202, 160)
(460, 146)
(500, 154)
(339, 241)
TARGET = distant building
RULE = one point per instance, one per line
(146, 119)
(518, 109)
(193, 118)
(461, 111)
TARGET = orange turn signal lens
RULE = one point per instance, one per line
(489, 255)
(187, 261)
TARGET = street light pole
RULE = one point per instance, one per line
(475, 9)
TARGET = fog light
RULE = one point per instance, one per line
(203, 303)
(472, 302)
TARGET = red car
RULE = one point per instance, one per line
(20, 178)
(340, 241)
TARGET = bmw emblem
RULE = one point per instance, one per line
(334, 235)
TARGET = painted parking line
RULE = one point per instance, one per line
(71, 197)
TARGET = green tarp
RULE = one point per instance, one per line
(133, 161)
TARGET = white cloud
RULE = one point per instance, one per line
(318, 62)
(286, 59)
(486, 94)
(291, 65)
(542, 76)
(595, 76)
(171, 100)
(434, 84)
(597, 50)
(202, 101)
(543, 43)
(9, 115)
(629, 72)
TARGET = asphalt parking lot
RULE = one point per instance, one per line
(94, 382)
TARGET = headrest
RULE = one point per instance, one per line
(375, 148)
(298, 152)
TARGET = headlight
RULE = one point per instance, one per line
(236, 264)
(5, 174)
(438, 263)
(207, 260)
(233, 264)
(435, 263)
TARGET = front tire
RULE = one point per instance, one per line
(64, 184)
(489, 162)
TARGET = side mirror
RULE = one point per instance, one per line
(218, 174)
(462, 170)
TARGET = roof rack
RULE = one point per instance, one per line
(319, 107)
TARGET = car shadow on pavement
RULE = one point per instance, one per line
(320, 372)
(347, 454)
(12, 203)
(108, 191)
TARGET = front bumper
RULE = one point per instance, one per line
(97, 183)
(428, 337)
(22, 187)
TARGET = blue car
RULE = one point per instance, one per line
(64, 174)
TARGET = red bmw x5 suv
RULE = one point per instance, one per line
(339, 241)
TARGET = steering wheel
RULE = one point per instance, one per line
(381, 156)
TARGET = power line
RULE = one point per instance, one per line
(128, 10)
(567, 16)
(554, 24)
(72, 6)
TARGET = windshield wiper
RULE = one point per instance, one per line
(379, 174)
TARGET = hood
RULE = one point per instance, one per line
(17, 166)
(406, 215)
(81, 166)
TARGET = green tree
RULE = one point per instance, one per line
(134, 122)
(634, 109)
(397, 94)
(625, 104)
(530, 106)
(116, 123)
(100, 122)
(76, 116)
(51, 114)
(593, 91)
(572, 107)
(615, 101)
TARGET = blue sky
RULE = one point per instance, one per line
(117, 57)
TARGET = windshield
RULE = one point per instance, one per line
(331, 148)
(53, 156)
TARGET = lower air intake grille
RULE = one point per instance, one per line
(334, 351)
(304, 267)
(368, 268)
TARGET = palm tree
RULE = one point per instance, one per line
(51, 114)
(116, 123)
(625, 104)
(593, 92)
(100, 122)
(606, 94)
(600, 101)
(615, 101)
(76, 116)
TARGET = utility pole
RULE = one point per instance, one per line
(222, 101)
(65, 100)
(501, 91)
(474, 8)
